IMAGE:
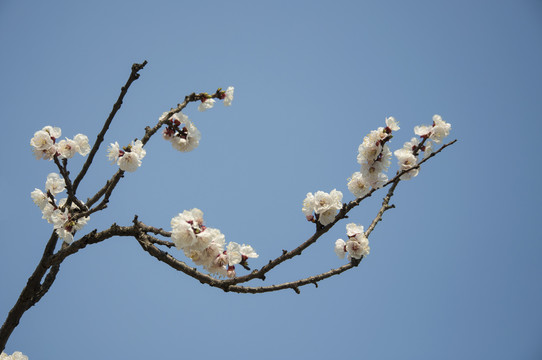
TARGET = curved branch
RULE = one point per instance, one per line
(294, 285)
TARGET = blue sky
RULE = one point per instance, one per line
(454, 270)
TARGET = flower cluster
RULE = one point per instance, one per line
(129, 157)
(17, 355)
(183, 138)
(208, 102)
(45, 145)
(324, 205)
(374, 157)
(436, 132)
(63, 219)
(407, 156)
(206, 246)
(357, 244)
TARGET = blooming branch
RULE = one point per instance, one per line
(205, 246)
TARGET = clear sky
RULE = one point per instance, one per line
(454, 270)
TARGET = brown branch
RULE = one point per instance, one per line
(294, 284)
(69, 187)
(147, 244)
(187, 99)
(134, 75)
(385, 207)
(107, 188)
(28, 295)
(149, 132)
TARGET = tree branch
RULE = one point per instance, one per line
(134, 75)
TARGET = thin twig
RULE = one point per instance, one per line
(134, 75)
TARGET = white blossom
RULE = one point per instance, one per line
(41, 140)
(44, 143)
(323, 204)
(210, 237)
(129, 162)
(234, 253)
(137, 148)
(308, 205)
(183, 235)
(436, 132)
(17, 355)
(188, 140)
(340, 248)
(128, 159)
(39, 198)
(357, 248)
(180, 117)
(358, 185)
(392, 123)
(67, 148)
(248, 251)
(64, 224)
(113, 152)
(67, 230)
(54, 132)
(406, 160)
(327, 216)
(47, 212)
(412, 144)
(324, 201)
(441, 129)
(228, 96)
(82, 143)
(205, 245)
(353, 230)
(54, 184)
(357, 244)
(423, 130)
(206, 104)
(374, 178)
(48, 154)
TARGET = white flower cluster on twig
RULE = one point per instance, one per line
(17, 355)
(45, 146)
(63, 218)
(357, 244)
(323, 205)
(181, 132)
(207, 102)
(129, 157)
(374, 156)
(206, 246)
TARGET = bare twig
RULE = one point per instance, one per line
(134, 75)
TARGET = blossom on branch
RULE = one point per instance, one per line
(207, 246)
(182, 133)
(128, 159)
(407, 160)
(55, 184)
(357, 245)
(436, 132)
(324, 205)
(374, 156)
(17, 355)
(206, 104)
(82, 144)
(358, 185)
(44, 144)
(228, 96)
